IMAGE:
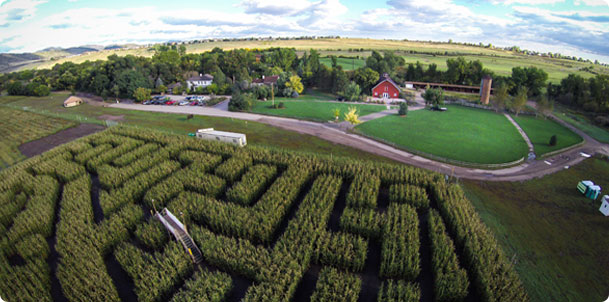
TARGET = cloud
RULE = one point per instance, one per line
(275, 7)
(18, 10)
(530, 2)
(591, 2)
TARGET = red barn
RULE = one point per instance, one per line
(386, 88)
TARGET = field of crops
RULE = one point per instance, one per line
(76, 225)
(18, 127)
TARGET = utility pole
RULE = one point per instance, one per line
(273, 94)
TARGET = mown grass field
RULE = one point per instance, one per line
(499, 61)
(461, 133)
(345, 63)
(18, 127)
(311, 109)
(540, 130)
(584, 124)
(257, 133)
(556, 236)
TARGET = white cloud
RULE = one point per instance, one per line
(530, 2)
(591, 2)
(17, 11)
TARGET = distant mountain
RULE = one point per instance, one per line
(12, 61)
(79, 50)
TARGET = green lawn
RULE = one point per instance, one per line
(581, 123)
(346, 63)
(309, 109)
(461, 133)
(557, 237)
(257, 133)
(539, 131)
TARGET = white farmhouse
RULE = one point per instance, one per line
(203, 80)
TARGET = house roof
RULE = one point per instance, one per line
(267, 80)
(72, 99)
(205, 77)
(174, 85)
(385, 77)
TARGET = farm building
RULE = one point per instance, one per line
(386, 88)
(72, 101)
(203, 80)
(173, 86)
(484, 90)
(221, 136)
(268, 81)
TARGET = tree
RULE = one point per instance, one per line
(351, 92)
(365, 77)
(241, 101)
(501, 97)
(352, 116)
(162, 89)
(339, 80)
(545, 106)
(520, 100)
(141, 94)
(553, 140)
(434, 97)
(403, 109)
(295, 84)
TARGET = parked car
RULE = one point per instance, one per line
(183, 103)
(193, 103)
(148, 102)
(170, 102)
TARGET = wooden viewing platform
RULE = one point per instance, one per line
(177, 229)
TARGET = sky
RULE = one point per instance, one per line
(571, 27)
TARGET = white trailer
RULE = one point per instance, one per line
(605, 205)
(222, 136)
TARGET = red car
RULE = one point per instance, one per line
(170, 102)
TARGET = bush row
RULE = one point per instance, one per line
(83, 157)
(152, 234)
(205, 286)
(134, 189)
(234, 167)
(9, 210)
(39, 213)
(111, 177)
(33, 246)
(81, 269)
(193, 178)
(203, 159)
(25, 283)
(342, 250)
(235, 255)
(494, 277)
(252, 184)
(131, 156)
(364, 222)
(126, 145)
(293, 252)
(364, 191)
(334, 285)
(409, 194)
(235, 220)
(399, 291)
(155, 275)
(450, 280)
(400, 246)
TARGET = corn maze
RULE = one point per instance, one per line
(76, 224)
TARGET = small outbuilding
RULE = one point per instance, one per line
(222, 136)
(605, 205)
(72, 101)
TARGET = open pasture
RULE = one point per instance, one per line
(76, 225)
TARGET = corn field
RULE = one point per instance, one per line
(77, 221)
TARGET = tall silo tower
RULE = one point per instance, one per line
(485, 89)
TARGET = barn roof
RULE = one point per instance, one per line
(72, 99)
(385, 77)
(267, 80)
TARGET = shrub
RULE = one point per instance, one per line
(398, 291)
(403, 109)
(553, 140)
(334, 285)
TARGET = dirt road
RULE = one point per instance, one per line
(524, 171)
(44, 144)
